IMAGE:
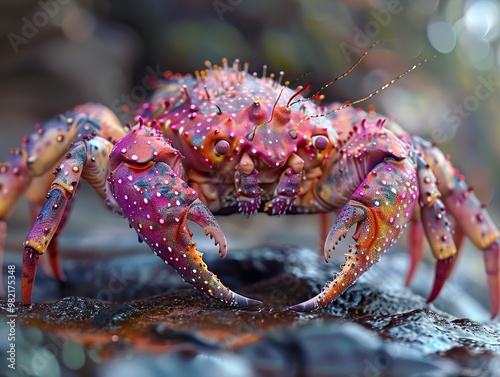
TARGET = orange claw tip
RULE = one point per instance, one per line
(443, 270)
(30, 265)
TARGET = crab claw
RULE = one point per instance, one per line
(146, 183)
(381, 207)
(350, 215)
(187, 260)
(358, 259)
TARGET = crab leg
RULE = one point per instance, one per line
(39, 237)
(472, 219)
(30, 166)
(87, 159)
(381, 207)
(145, 182)
(53, 268)
(36, 195)
(15, 177)
(416, 247)
(436, 226)
(491, 262)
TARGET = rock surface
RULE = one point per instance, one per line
(127, 313)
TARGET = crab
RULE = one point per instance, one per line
(225, 141)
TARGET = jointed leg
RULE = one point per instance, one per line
(88, 157)
(416, 239)
(472, 219)
(436, 226)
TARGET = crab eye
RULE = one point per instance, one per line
(320, 142)
(222, 147)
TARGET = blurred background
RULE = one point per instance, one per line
(55, 54)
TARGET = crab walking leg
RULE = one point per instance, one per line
(87, 159)
(31, 165)
(145, 182)
(381, 207)
(436, 226)
(39, 237)
(54, 267)
(15, 177)
(492, 263)
(474, 221)
(416, 239)
(36, 195)
(472, 218)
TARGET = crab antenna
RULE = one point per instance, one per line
(338, 78)
(350, 103)
(287, 84)
(301, 90)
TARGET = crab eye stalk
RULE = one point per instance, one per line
(320, 142)
(222, 147)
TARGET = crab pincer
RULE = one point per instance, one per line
(381, 207)
(145, 181)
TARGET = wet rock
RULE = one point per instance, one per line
(179, 363)
(111, 316)
(184, 337)
(320, 349)
(70, 309)
(142, 309)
